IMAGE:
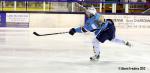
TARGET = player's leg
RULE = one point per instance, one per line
(96, 49)
(120, 41)
(112, 37)
(100, 38)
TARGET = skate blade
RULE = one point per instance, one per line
(94, 60)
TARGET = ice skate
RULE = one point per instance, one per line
(128, 44)
(96, 55)
(95, 58)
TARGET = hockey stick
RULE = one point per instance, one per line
(37, 34)
(81, 6)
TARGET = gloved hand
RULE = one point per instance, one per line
(72, 31)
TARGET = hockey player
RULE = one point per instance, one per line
(104, 29)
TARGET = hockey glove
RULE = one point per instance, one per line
(72, 31)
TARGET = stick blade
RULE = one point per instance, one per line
(35, 33)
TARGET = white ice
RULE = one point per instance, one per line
(23, 52)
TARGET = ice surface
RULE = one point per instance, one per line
(23, 52)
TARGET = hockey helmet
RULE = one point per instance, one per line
(91, 10)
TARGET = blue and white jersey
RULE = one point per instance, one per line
(92, 24)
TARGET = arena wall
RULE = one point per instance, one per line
(68, 20)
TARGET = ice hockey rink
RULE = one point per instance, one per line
(23, 52)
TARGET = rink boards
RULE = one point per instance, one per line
(67, 20)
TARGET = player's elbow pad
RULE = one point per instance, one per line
(83, 29)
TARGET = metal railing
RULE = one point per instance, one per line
(103, 6)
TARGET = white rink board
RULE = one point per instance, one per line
(74, 20)
(56, 20)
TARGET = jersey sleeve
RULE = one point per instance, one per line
(91, 24)
(86, 28)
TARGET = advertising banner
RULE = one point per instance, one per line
(17, 19)
(130, 21)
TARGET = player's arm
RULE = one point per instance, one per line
(88, 27)
(72, 31)
(83, 29)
